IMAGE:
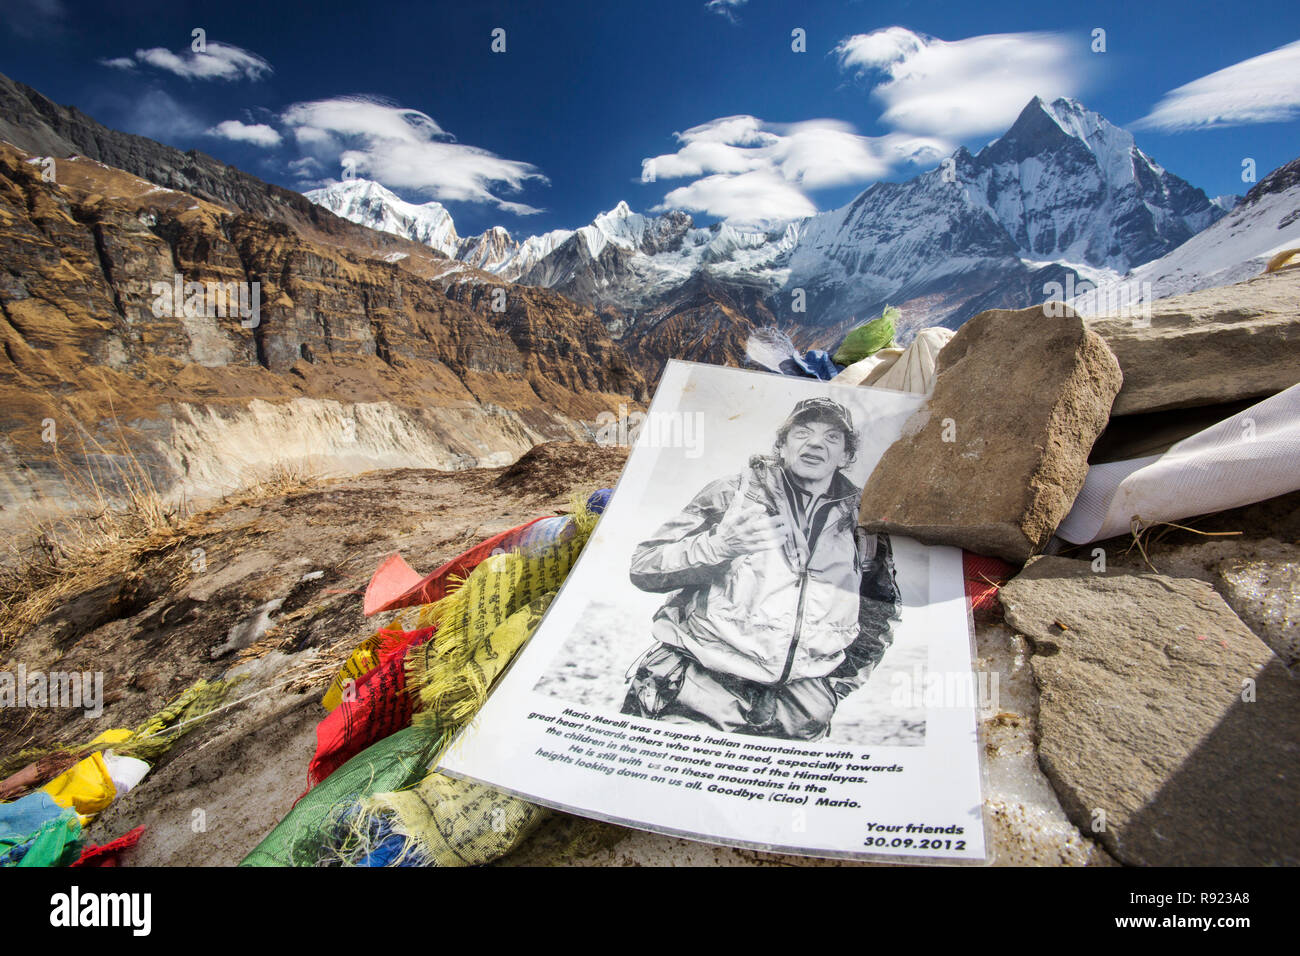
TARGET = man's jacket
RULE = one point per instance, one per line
(818, 606)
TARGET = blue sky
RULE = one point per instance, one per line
(559, 126)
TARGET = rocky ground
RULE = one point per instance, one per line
(1166, 722)
(296, 564)
(1167, 706)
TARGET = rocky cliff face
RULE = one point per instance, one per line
(704, 320)
(352, 360)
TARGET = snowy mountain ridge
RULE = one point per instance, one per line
(1063, 191)
(1237, 247)
(369, 204)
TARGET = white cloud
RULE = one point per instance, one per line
(725, 8)
(405, 149)
(965, 87)
(218, 61)
(362, 116)
(306, 166)
(307, 171)
(1263, 89)
(755, 173)
(258, 134)
(935, 94)
(757, 199)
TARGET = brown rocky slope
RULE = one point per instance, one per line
(356, 361)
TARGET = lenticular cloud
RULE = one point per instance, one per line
(1263, 89)
(405, 149)
(752, 172)
(216, 61)
(961, 88)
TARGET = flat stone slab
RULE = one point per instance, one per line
(1258, 577)
(1203, 348)
(1170, 732)
(995, 458)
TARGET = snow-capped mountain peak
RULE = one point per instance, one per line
(1069, 185)
(1083, 124)
(370, 204)
(488, 251)
(620, 226)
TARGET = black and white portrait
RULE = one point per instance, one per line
(732, 656)
(777, 605)
(750, 602)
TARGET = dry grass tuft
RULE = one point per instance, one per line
(122, 518)
(281, 479)
(1148, 534)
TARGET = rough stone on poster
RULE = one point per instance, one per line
(994, 460)
(1166, 726)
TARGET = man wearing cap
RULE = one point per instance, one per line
(780, 606)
